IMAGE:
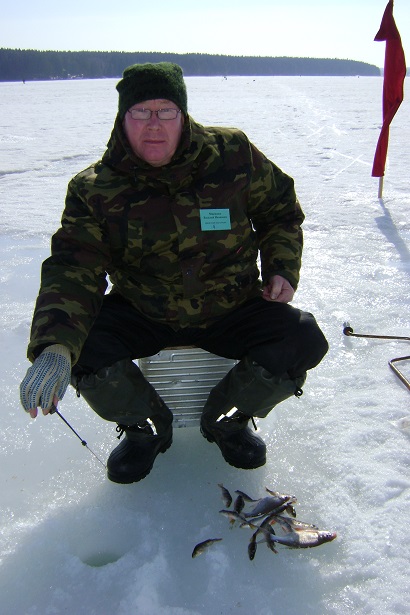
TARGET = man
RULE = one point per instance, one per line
(177, 215)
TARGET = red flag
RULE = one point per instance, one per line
(394, 74)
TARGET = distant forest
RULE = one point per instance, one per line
(32, 65)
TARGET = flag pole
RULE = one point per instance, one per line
(380, 195)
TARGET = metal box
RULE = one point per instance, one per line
(183, 377)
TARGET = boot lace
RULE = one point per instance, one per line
(239, 417)
(146, 427)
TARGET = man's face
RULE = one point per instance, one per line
(154, 140)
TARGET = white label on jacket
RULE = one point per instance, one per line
(215, 219)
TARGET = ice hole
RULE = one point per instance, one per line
(101, 558)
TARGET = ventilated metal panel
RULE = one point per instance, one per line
(184, 377)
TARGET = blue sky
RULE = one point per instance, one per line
(314, 28)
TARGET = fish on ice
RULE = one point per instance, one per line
(201, 547)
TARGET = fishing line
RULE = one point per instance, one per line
(54, 410)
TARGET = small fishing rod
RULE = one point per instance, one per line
(347, 330)
(54, 410)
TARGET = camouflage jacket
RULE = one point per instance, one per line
(181, 242)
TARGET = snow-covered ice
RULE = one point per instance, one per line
(71, 541)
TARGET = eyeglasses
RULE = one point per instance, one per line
(162, 114)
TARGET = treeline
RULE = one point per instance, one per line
(31, 65)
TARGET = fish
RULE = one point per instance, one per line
(268, 537)
(201, 547)
(274, 512)
(267, 505)
(252, 546)
(239, 504)
(267, 532)
(271, 492)
(276, 494)
(304, 539)
(246, 497)
(289, 524)
(270, 543)
(233, 516)
(290, 509)
(226, 496)
(275, 509)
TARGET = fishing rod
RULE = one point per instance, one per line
(54, 410)
(347, 330)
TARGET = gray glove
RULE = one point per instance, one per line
(49, 376)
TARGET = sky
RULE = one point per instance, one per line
(342, 29)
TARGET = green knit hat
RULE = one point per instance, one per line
(149, 81)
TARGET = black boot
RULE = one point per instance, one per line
(120, 393)
(133, 459)
(247, 391)
(239, 445)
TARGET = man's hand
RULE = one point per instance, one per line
(278, 289)
(46, 380)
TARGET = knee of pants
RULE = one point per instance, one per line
(312, 342)
(298, 351)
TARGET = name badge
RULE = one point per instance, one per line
(215, 219)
